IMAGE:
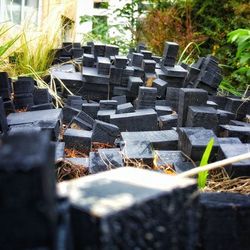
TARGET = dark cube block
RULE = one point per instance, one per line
(91, 109)
(202, 116)
(161, 87)
(125, 108)
(136, 121)
(104, 132)
(88, 60)
(3, 119)
(48, 120)
(137, 59)
(224, 216)
(243, 133)
(172, 97)
(23, 86)
(113, 206)
(159, 140)
(41, 96)
(168, 121)
(189, 97)
(121, 99)
(111, 50)
(104, 115)
(148, 66)
(27, 214)
(77, 139)
(121, 62)
(193, 142)
(241, 168)
(103, 65)
(105, 159)
(108, 104)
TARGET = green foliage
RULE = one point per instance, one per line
(6, 45)
(202, 176)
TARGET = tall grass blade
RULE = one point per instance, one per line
(202, 176)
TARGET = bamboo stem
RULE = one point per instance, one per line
(215, 165)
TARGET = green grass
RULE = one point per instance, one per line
(202, 176)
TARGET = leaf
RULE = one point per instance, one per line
(202, 176)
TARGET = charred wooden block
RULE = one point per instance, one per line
(82, 121)
(168, 158)
(59, 150)
(113, 206)
(133, 85)
(6, 87)
(146, 54)
(69, 113)
(48, 120)
(23, 86)
(28, 214)
(243, 133)
(212, 104)
(189, 97)
(23, 101)
(44, 106)
(224, 216)
(220, 100)
(77, 53)
(121, 99)
(91, 76)
(121, 62)
(146, 98)
(111, 50)
(163, 110)
(87, 49)
(171, 49)
(125, 108)
(3, 119)
(156, 58)
(108, 104)
(104, 132)
(172, 96)
(77, 139)
(237, 169)
(145, 120)
(116, 76)
(138, 151)
(237, 106)
(88, 60)
(224, 116)
(41, 96)
(148, 66)
(103, 65)
(120, 91)
(105, 159)
(168, 121)
(159, 140)
(239, 123)
(229, 140)
(193, 142)
(91, 109)
(98, 50)
(161, 87)
(176, 71)
(104, 115)
(137, 59)
(202, 116)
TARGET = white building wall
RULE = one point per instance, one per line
(86, 7)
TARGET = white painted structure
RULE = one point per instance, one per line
(86, 7)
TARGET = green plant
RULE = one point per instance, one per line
(6, 45)
(202, 176)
